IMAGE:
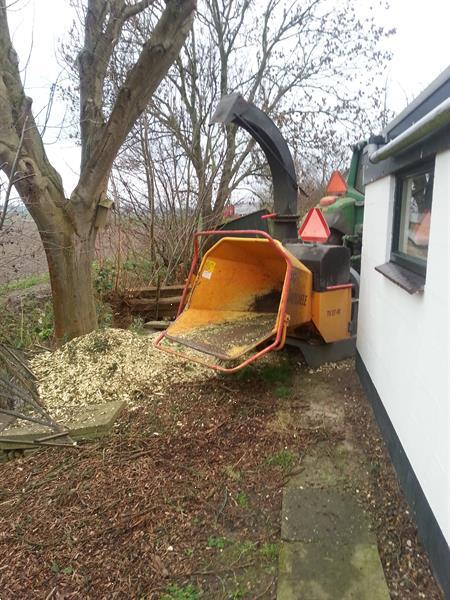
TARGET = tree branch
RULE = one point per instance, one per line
(15, 108)
(133, 9)
(13, 173)
(142, 80)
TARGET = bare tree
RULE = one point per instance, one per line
(312, 66)
(67, 226)
(160, 198)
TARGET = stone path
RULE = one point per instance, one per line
(328, 551)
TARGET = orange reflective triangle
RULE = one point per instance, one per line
(337, 184)
(422, 233)
(314, 228)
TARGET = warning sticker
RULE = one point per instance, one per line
(209, 269)
(210, 265)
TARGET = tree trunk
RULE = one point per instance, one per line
(70, 260)
(67, 226)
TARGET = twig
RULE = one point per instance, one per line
(50, 594)
(216, 427)
(264, 592)
(58, 445)
(37, 443)
(13, 171)
(227, 388)
(6, 440)
(224, 503)
(41, 347)
(53, 436)
(13, 413)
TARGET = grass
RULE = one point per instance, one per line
(232, 473)
(56, 568)
(137, 326)
(24, 283)
(32, 323)
(216, 542)
(283, 459)
(186, 592)
(242, 500)
(269, 551)
(282, 391)
(278, 374)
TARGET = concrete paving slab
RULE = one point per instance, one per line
(328, 551)
(327, 571)
(314, 514)
(87, 422)
(331, 468)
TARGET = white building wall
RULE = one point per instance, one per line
(403, 339)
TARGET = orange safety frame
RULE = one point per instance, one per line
(282, 320)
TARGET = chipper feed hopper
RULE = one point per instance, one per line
(251, 292)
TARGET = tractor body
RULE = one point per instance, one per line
(344, 212)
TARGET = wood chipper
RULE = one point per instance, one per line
(253, 292)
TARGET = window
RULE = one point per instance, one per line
(412, 216)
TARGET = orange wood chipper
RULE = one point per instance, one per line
(252, 292)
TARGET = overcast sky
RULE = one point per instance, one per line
(421, 50)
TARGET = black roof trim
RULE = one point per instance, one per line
(436, 93)
(417, 154)
(432, 96)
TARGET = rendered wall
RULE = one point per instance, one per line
(403, 339)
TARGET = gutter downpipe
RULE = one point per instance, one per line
(434, 120)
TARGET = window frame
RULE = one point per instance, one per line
(412, 263)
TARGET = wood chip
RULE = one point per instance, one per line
(106, 365)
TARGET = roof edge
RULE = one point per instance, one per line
(438, 82)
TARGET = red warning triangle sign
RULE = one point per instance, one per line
(314, 228)
(337, 184)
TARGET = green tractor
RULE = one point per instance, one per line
(343, 206)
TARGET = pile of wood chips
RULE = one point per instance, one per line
(106, 365)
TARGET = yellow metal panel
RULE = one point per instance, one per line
(299, 299)
(236, 295)
(238, 273)
(331, 313)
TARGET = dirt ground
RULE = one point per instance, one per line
(22, 253)
(183, 500)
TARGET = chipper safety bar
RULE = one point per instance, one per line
(245, 292)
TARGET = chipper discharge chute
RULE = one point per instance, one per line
(248, 295)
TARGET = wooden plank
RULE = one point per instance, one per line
(152, 291)
(149, 304)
